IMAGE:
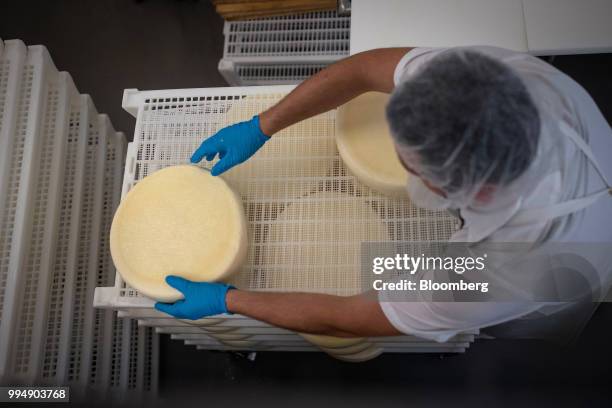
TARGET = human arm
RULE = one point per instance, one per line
(331, 87)
(351, 316)
(340, 316)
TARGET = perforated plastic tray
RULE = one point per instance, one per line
(107, 331)
(61, 168)
(423, 347)
(272, 341)
(139, 364)
(283, 50)
(11, 74)
(240, 74)
(307, 37)
(215, 345)
(59, 319)
(98, 323)
(21, 155)
(88, 251)
(293, 337)
(38, 262)
(170, 125)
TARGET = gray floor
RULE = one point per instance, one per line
(109, 45)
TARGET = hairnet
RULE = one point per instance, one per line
(465, 121)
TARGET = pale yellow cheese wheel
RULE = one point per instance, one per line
(331, 342)
(219, 329)
(366, 147)
(229, 336)
(178, 221)
(241, 344)
(365, 355)
(346, 349)
(354, 349)
(314, 245)
(203, 322)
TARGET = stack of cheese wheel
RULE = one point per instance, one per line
(314, 246)
(203, 322)
(366, 146)
(288, 166)
(230, 336)
(178, 221)
(352, 350)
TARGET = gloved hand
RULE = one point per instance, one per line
(201, 299)
(234, 144)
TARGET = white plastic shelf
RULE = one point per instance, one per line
(170, 125)
(284, 49)
(139, 364)
(425, 347)
(88, 251)
(237, 74)
(308, 348)
(12, 63)
(21, 157)
(59, 319)
(61, 169)
(307, 36)
(95, 364)
(43, 240)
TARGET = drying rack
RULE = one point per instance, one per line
(298, 166)
(61, 169)
(283, 49)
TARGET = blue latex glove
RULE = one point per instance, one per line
(201, 299)
(234, 144)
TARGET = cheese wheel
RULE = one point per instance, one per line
(289, 165)
(178, 221)
(366, 146)
(354, 349)
(331, 342)
(230, 336)
(314, 245)
(219, 329)
(365, 355)
(202, 322)
(242, 344)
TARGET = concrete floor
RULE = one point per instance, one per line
(109, 45)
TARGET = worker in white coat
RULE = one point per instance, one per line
(513, 146)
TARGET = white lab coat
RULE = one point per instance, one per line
(441, 321)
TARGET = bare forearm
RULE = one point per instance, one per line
(313, 313)
(334, 86)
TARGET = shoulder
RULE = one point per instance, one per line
(412, 61)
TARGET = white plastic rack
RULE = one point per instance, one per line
(61, 169)
(283, 49)
(298, 167)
